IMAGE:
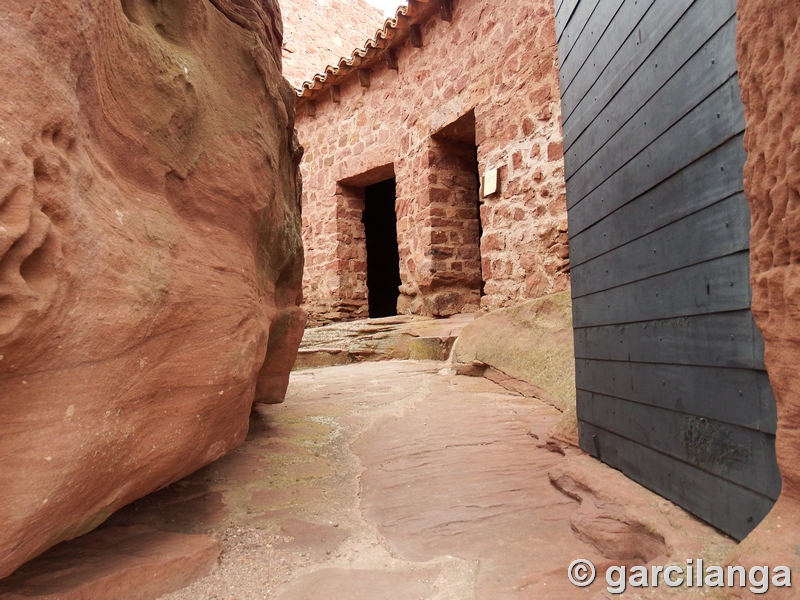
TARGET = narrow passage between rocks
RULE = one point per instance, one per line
(383, 481)
(387, 480)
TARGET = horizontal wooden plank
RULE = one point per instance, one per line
(744, 456)
(576, 27)
(702, 183)
(677, 76)
(656, 117)
(721, 284)
(627, 43)
(728, 339)
(573, 52)
(719, 118)
(564, 14)
(726, 505)
(738, 396)
(718, 230)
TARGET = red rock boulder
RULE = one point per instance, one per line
(768, 50)
(149, 239)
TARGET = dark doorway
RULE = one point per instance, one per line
(383, 259)
(473, 164)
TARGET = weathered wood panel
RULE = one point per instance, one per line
(650, 147)
(587, 25)
(617, 59)
(726, 339)
(740, 455)
(579, 76)
(701, 183)
(672, 83)
(564, 11)
(715, 231)
(722, 284)
(712, 498)
(697, 134)
(669, 363)
(741, 396)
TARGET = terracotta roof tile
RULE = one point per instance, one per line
(393, 33)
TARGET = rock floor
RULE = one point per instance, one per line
(387, 480)
(381, 481)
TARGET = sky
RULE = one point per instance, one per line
(389, 6)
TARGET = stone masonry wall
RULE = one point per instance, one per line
(449, 279)
(498, 59)
(317, 33)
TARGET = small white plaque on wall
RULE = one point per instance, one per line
(490, 181)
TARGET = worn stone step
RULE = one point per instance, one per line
(390, 338)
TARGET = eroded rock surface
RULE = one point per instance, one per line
(768, 51)
(135, 563)
(398, 479)
(531, 342)
(387, 338)
(149, 237)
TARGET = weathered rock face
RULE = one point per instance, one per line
(532, 342)
(768, 49)
(149, 237)
(135, 563)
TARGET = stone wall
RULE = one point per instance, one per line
(496, 60)
(316, 33)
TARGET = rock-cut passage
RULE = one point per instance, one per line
(384, 481)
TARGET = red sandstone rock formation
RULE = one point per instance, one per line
(149, 236)
(768, 48)
(134, 563)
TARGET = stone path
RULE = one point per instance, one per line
(388, 480)
(380, 481)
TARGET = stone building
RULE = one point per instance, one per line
(398, 136)
(319, 32)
